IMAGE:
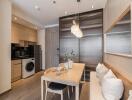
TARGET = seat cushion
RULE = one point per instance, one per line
(95, 88)
(56, 86)
(112, 87)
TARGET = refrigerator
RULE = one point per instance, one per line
(36, 53)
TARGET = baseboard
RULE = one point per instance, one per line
(5, 92)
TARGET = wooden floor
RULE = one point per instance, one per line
(29, 89)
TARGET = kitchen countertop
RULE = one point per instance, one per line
(19, 58)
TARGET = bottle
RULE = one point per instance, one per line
(130, 95)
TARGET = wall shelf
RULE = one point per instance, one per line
(83, 27)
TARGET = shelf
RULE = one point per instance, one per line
(84, 27)
(91, 24)
(82, 16)
(82, 23)
(124, 22)
(85, 36)
(122, 32)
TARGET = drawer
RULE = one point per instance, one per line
(14, 62)
(16, 72)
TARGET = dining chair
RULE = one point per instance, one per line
(55, 88)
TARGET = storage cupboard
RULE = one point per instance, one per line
(16, 70)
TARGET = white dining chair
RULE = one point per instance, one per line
(56, 88)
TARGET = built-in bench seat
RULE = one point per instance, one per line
(95, 88)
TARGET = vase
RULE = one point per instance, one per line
(66, 65)
(70, 63)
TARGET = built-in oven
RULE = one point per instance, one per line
(19, 52)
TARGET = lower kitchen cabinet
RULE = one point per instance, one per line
(16, 70)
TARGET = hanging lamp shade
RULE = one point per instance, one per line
(75, 29)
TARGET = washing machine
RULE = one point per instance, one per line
(28, 67)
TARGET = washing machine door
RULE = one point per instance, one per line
(30, 67)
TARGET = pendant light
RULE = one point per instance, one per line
(75, 28)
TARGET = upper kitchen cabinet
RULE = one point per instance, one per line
(21, 32)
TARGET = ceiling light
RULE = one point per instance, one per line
(54, 1)
(37, 7)
(66, 12)
(75, 29)
(92, 6)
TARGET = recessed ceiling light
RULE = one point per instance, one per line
(66, 12)
(15, 18)
(54, 1)
(92, 6)
(37, 7)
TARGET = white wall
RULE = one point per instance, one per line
(5, 45)
(112, 11)
(41, 41)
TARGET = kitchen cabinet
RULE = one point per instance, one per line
(16, 70)
(20, 32)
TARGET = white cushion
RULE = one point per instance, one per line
(130, 95)
(101, 70)
(95, 88)
(110, 97)
(109, 74)
(97, 69)
(112, 88)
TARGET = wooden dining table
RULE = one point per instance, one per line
(70, 77)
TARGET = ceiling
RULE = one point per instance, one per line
(49, 12)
